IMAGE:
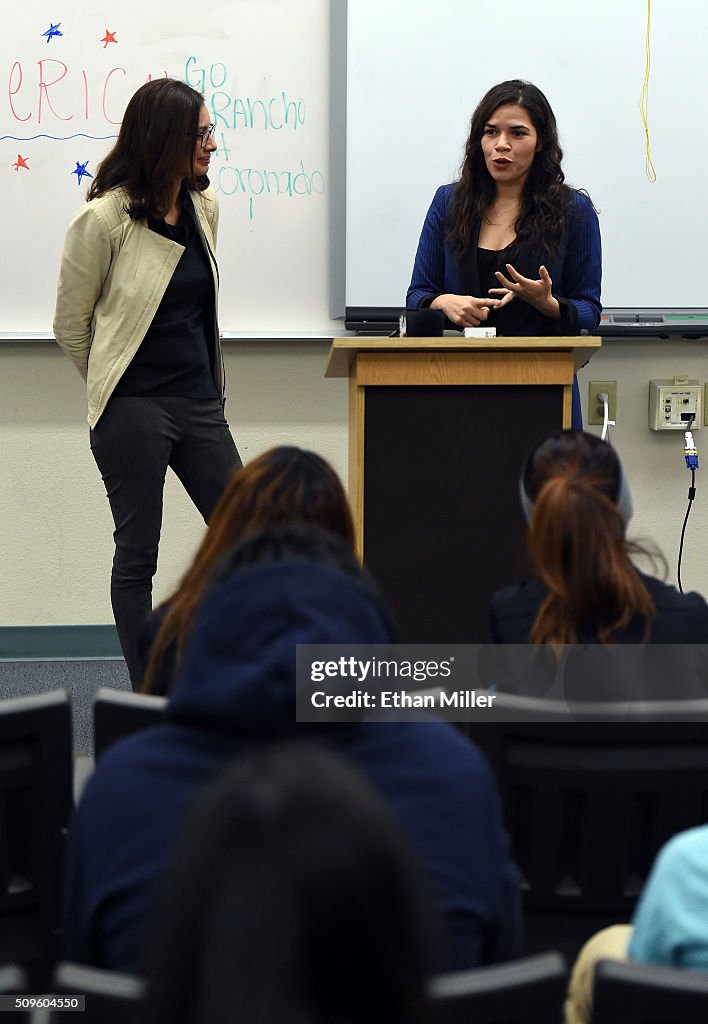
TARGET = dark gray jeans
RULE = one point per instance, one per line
(133, 443)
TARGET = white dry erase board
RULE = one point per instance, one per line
(68, 71)
(337, 121)
(416, 70)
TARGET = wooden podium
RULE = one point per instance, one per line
(438, 432)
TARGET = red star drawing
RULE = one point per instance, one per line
(21, 162)
(110, 37)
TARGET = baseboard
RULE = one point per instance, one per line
(65, 643)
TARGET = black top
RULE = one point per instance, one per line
(624, 670)
(176, 356)
(517, 318)
(488, 262)
(680, 618)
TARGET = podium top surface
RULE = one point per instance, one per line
(344, 351)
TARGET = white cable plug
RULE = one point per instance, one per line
(604, 398)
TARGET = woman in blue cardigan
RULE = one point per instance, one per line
(510, 245)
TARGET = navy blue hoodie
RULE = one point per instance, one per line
(236, 687)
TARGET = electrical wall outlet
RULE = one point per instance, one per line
(595, 410)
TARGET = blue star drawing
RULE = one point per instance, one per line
(53, 30)
(81, 172)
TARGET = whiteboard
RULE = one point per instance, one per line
(415, 72)
(263, 66)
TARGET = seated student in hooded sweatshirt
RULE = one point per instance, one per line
(236, 688)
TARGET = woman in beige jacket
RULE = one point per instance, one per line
(137, 314)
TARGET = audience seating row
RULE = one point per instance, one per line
(628, 993)
(118, 713)
(35, 804)
(526, 991)
(589, 801)
(588, 804)
(36, 763)
(13, 981)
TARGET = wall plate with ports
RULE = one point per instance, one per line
(675, 404)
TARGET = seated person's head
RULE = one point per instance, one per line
(577, 503)
(283, 485)
(574, 459)
(293, 898)
(290, 542)
(279, 588)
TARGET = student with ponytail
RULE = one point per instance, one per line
(586, 588)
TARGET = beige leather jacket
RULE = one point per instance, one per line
(114, 272)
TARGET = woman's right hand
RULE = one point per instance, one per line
(465, 310)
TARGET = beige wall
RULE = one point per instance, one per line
(654, 460)
(55, 526)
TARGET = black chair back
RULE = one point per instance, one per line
(588, 802)
(526, 991)
(110, 998)
(13, 982)
(632, 993)
(35, 804)
(118, 713)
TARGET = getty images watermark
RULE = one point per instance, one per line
(345, 683)
(492, 682)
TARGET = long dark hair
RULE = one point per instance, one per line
(545, 198)
(156, 136)
(283, 485)
(577, 541)
(293, 898)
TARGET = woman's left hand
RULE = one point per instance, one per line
(537, 293)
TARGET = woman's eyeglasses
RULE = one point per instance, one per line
(204, 134)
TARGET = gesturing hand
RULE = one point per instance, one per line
(465, 310)
(537, 293)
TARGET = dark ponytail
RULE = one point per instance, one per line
(577, 542)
